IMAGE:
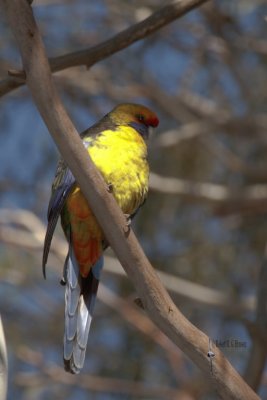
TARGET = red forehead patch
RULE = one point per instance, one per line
(152, 121)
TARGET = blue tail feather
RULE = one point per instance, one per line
(80, 297)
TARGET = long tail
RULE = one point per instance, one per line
(80, 296)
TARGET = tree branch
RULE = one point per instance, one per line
(3, 363)
(92, 383)
(156, 300)
(258, 351)
(211, 192)
(28, 231)
(91, 56)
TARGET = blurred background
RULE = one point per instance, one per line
(204, 225)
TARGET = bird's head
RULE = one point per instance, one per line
(135, 115)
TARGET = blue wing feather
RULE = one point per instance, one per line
(63, 184)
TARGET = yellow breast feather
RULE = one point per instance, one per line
(121, 157)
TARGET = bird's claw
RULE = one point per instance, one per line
(128, 220)
(110, 187)
(139, 303)
(62, 281)
(127, 224)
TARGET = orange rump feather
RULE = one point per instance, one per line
(86, 234)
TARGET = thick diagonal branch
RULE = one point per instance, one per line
(155, 299)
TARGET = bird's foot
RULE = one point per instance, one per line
(128, 219)
(127, 226)
(62, 281)
(110, 187)
(139, 303)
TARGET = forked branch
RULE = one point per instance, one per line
(91, 56)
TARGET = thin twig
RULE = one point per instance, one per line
(92, 383)
(211, 192)
(32, 238)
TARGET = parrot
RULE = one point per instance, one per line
(117, 145)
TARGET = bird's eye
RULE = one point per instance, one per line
(140, 117)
